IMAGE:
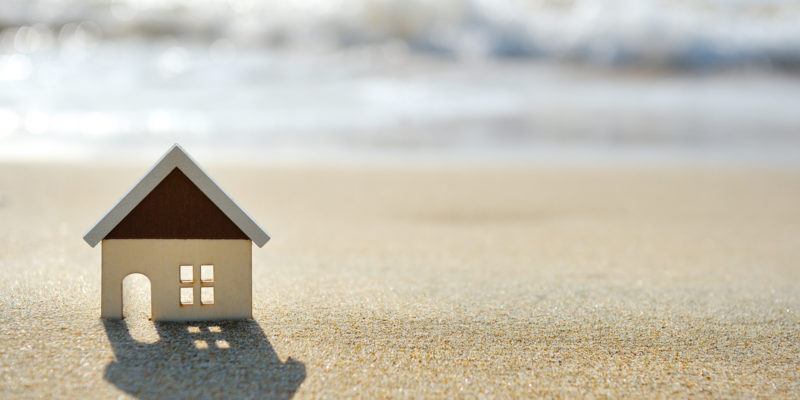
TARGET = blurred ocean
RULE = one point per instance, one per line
(519, 80)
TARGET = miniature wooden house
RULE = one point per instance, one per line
(187, 236)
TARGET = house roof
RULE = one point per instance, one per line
(176, 158)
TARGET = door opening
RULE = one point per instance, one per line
(137, 308)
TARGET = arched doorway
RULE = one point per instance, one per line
(137, 308)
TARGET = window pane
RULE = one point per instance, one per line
(207, 295)
(187, 296)
(187, 275)
(207, 273)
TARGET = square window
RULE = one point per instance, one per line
(206, 295)
(207, 273)
(187, 296)
(187, 275)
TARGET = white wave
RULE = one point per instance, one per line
(688, 33)
(272, 78)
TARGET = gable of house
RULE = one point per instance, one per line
(176, 199)
(176, 209)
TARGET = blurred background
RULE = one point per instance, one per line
(463, 80)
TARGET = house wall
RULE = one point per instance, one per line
(160, 261)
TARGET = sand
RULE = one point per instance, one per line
(428, 282)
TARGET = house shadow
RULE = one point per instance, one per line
(194, 360)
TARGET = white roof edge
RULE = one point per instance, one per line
(176, 157)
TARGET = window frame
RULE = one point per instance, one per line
(180, 296)
(181, 269)
(211, 269)
(213, 299)
(197, 285)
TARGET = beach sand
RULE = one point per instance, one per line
(425, 282)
